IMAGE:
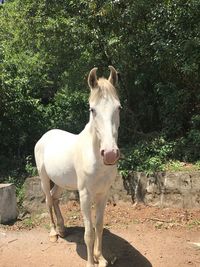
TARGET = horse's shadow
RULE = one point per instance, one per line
(116, 250)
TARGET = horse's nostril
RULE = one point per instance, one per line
(102, 152)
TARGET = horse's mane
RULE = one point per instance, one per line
(103, 89)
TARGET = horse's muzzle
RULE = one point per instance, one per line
(110, 157)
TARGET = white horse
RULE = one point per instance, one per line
(86, 162)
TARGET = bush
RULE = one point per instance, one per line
(68, 111)
(188, 147)
(148, 156)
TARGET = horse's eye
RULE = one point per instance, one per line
(92, 110)
(120, 107)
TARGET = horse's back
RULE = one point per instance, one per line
(54, 152)
(55, 134)
(52, 139)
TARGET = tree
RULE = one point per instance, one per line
(47, 49)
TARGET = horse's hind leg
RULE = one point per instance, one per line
(55, 193)
(45, 182)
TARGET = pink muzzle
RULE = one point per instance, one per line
(110, 157)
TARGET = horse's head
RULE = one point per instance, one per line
(104, 113)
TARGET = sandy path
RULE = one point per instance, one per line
(134, 246)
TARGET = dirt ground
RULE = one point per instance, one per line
(133, 237)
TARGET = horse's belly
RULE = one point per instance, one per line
(58, 162)
(62, 175)
(65, 180)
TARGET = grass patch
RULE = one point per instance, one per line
(176, 165)
(194, 223)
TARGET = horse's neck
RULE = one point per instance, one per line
(90, 133)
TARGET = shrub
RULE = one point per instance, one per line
(148, 156)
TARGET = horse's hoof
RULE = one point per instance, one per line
(53, 238)
(102, 262)
(62, 234)
(61, 231)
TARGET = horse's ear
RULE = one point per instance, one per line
(92, 78)
(113, 78)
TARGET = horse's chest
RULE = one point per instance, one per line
(101, 180)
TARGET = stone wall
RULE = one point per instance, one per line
(163, 189)
(34, 198)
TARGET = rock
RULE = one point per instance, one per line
(23, 215)
(195, 244)
(118, 192)
(2, 234)
(34, 198)
(8, 203)
(69, 195)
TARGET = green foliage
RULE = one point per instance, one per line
(29, 168)
(47, 49)
(148, 156)
(69, 111)
(188, 146)
(28, 222)
(197, 164)
(174, 165)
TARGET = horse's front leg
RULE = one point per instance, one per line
(100, 207)
(85, 202)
